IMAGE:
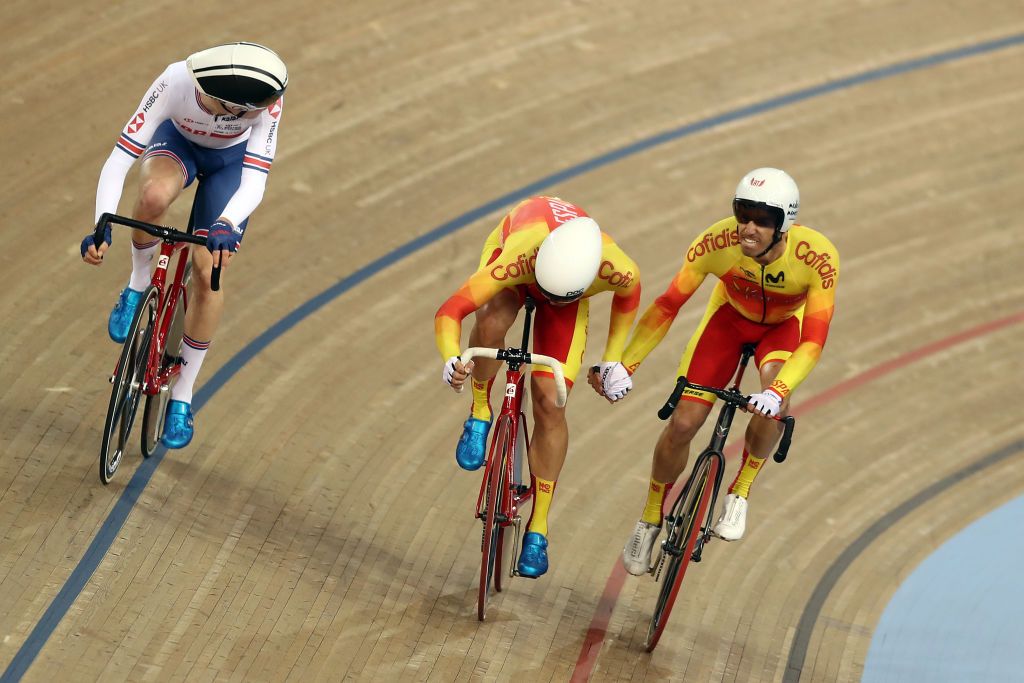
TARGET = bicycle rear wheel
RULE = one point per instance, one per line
(689, 511)
(156, 404)
(493, 532)
(127, 389)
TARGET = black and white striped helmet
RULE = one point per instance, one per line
(243, 74)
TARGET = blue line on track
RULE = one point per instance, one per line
(110, 528)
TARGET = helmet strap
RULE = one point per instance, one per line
(776, 238)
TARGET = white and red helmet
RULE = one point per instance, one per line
(771, 188)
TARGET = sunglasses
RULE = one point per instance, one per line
(238, 109)
(758, 214)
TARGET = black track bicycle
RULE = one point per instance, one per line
(688, 524)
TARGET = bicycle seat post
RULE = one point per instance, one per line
(530, 306)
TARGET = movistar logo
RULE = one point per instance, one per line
(775, 279)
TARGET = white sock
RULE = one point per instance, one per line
(192, 354)
(142, 261)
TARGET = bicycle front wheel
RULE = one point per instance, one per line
(689, 511)
(127, 389)
(501, 450)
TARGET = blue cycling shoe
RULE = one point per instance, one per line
(533, 561)
(121, 317)
(177, 425)
(472, 444)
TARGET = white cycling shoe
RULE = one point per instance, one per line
(636, 555)
(733, 522)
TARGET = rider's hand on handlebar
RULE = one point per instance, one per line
(222, 241)
(92, 255)
(455, 373)
(768, 403)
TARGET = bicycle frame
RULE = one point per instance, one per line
(511, 414)
(172, 241)
(502, 490)
(689, 519)
(157, 374)
(716, 449)
(167, 303)
(732, 399)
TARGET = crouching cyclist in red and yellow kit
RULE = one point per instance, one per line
(550, 250)
(776, 289)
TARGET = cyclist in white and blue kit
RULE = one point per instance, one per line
(213, 118)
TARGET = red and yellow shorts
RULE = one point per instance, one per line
(714, 351)
(558, 331)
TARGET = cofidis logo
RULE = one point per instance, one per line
(820, 261)
(728, 237)
(523, 265)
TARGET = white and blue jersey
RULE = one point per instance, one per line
(230, 156)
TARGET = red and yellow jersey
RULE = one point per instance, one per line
(801, 282)
(508, 260)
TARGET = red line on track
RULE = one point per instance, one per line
(606, 605)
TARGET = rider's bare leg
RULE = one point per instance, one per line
(761, 437)
(493, 321)
(160, 183)
(548, 448)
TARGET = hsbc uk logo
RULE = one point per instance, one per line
(151, 100)
(136, 123)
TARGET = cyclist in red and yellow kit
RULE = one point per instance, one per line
(550, 250)
(776, 289)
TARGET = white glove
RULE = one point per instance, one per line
(768, 402)
(615, 381)
(449, 370)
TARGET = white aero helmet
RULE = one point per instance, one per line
(568, 259)
(243, 74)
(771, 188)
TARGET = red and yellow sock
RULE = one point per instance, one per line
(656, 494)
(543, 492)
(481, 398)
(745, 477)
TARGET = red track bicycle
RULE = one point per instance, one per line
(148, 363)
(502, 491)
(688, 525)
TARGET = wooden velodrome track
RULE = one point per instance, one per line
(318, 527)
